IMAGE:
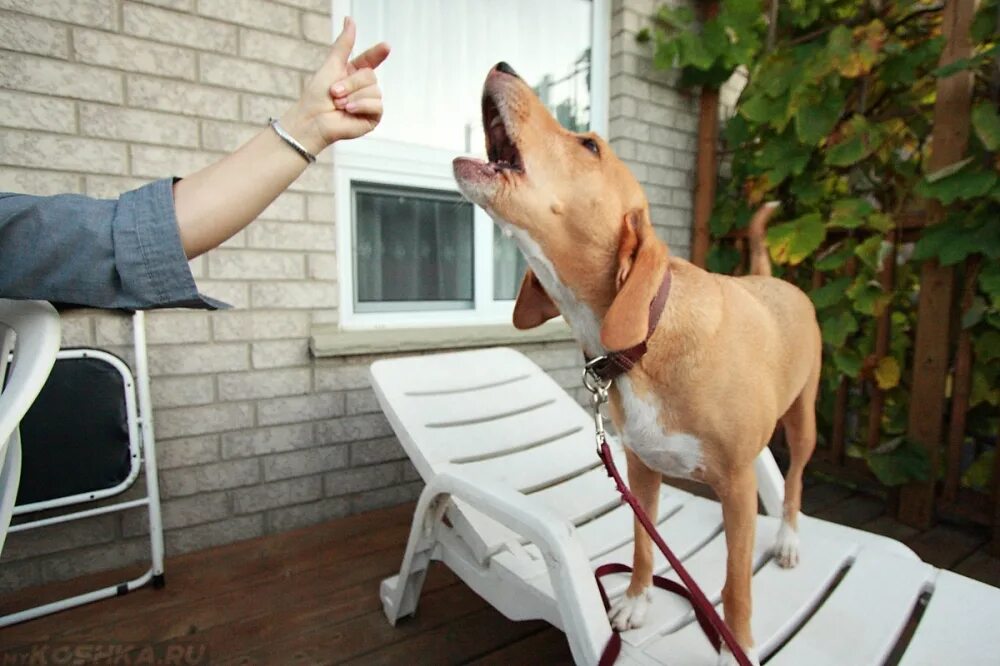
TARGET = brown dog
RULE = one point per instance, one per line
(729, 358)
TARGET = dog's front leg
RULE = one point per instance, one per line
(629, 611)
(739, 514)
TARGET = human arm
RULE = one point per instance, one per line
(132, 252)
(116, 254)
(341, 101)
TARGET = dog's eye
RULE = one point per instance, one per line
(590, 145)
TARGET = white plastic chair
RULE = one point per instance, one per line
(29, 329)
(519, 507)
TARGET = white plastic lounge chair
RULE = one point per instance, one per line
(519, 507)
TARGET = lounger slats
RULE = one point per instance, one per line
(696, 524)
(783, 597)
(484, 440)
(441, 374)
(707, 565)
(839, 633)
(959, 625)
(444, 410)
(584, 496)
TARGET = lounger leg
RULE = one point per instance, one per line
(401, 593)
(10, 476)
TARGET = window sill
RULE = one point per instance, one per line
(329, 340)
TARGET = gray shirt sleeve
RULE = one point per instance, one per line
(122, 254)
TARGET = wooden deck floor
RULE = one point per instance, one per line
(311, 597)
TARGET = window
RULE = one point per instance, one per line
(411, 250)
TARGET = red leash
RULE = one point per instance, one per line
(712, 625)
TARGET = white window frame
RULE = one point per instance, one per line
(394, 163)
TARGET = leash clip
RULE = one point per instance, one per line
(599, 395)
(592, 380)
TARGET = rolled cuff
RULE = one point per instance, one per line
(150, 259)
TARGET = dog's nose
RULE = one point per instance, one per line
(506, 69)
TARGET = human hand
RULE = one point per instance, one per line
(342, 99)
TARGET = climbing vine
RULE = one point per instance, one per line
(834, 122)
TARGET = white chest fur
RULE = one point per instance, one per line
(581, 318)
(672, 453)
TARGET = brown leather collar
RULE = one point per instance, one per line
(614, 364)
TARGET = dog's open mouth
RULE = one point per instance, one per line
(501, 151)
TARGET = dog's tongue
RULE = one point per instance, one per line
(498, 137)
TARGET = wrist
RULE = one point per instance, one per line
(304, 129)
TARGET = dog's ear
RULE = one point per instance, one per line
(642, 259)
(533, 306)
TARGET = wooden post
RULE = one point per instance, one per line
(704, 189)
(930, 357)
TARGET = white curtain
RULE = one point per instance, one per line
(442, 50)
(412, 246)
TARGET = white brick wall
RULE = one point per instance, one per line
(254, 436)
(653, 126)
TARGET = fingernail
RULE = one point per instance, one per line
(339, 103)
(338, 89)
(351, 106)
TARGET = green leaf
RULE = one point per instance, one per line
(816, 111)
(784, 156)
(935, 239)
(899, 461)
(860, 141)
(956, 238)
(989, 281)
(847, 361)
(983, 391)
(869, 298)
(954, 167)
(979, 474)
(887, 373)
(722, 259)
(880, 222)
(764, 110)
(902, 65)
(967, 183)
(836, 256)
(793, 241)
(665, 56)
(691, 51)
(850, 213)
(986, 122)
(987, 346)
(975, 313)
(837, 327)
(873, 252)
(830, 293)
(972, 62)
(737, 131)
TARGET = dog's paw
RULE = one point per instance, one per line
(630, 612)
(786, 546)
(726, 657)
